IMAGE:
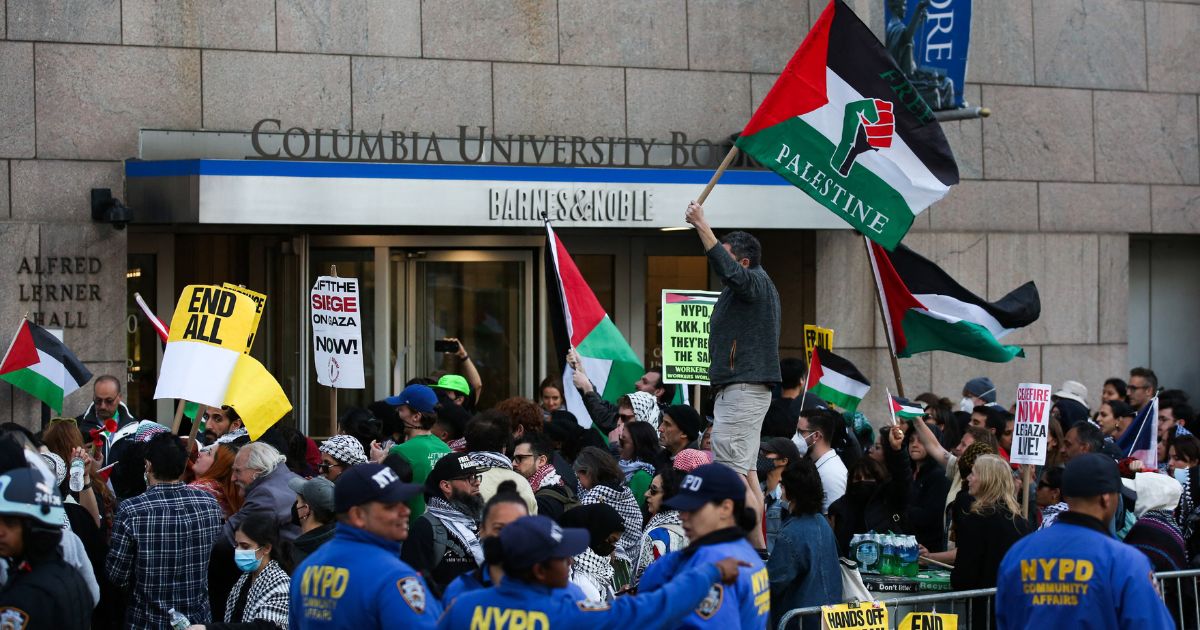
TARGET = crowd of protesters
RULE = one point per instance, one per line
(424, 510)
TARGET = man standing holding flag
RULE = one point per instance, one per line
(743, 343)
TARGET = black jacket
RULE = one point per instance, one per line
(53, 596)
(88, 420)
(743, 338)
(982, 540)
(309, 542)
(926, 505)
(885, 510)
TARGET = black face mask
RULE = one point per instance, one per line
(604, 549)
(862, 491)
(764, 465)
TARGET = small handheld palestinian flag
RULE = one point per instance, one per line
(1140, 439)
(925, 309)
(844, 125)
(42, 366)
(836, 380)
(905, 409)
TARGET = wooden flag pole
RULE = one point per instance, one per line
(1026, 477)
(729, 157)
(333, 417)
(696, 398)
(178, 417)
(883, 319)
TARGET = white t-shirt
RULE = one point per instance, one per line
(833, 478)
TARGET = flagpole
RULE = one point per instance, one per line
(891, 406)
(333, 417)
(807, 373)
(883, 317)
(716, 176)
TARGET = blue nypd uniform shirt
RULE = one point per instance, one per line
(356, 581)
(744, 604)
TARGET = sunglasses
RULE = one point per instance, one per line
(323, 467)
(104, 401)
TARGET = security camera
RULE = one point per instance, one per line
(109, 209)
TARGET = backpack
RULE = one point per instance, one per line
(559, 494)
(442, 541)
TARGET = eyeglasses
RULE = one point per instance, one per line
(517, 458)
(58, 420)
(324, 467)
(474, 479)
(105, 401)
(654, 491)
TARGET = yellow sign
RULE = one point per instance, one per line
(260, 303)
(865, 616)
(256, 396)
(816, 336)
(213, 315)
(929, 621)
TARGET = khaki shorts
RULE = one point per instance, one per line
(738, 413)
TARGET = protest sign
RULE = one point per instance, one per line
(865, 616)
(685, 335)
(209, 331)
(1029, 440)
(260, 303)
(929, 621)
(815, 336)
(337, 333)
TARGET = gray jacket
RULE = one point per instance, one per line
(743, 339)
(268, 493)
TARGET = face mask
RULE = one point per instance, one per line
(801, 443)
(966, 405)
(604, 549)
(295, 515)
(764, 466)
(1112, 524)
(1181, 475)
(246, 559)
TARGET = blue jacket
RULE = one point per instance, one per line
(516, 604)
(1073, 574)
(480, 579)
(804, 568)
(357, 582)
(745, 604)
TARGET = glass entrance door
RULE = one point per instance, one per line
(482, 298)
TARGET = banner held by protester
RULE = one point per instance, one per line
(337, 332)
(256, 396)
(1030, 435)
(260, 304)
(685, 335)
(209, 331)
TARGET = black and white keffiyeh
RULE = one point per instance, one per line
(491, 459)
(344, 448)
(621, 499)
(464, 528)
(267, 599)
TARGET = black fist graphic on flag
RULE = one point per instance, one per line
(868, 125)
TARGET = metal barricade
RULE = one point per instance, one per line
(974, 608)
(1180, 591)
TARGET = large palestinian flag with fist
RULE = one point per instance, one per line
(844, 125)
(578, 321)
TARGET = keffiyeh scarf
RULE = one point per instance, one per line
(645, 408)
(462, 527)
(491, 459)
(599, 571)
(631, 467)
(621, 499)
(545, 476)
(658, 544)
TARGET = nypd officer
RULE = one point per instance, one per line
(712, 504)
(1075, 573)
(42, 590)
(535, 553)
(357, 580)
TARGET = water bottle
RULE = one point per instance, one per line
(887, 561)
(178, 621)
(910, 554)
(76, 483)
(867, 553)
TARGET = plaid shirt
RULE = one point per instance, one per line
(161, 540)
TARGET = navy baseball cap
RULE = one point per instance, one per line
(1089, 475)
(533, 539)
(710, 482)
(365, 483)
(419, 397)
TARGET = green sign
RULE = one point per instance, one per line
(685, 335)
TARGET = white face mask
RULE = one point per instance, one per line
(801, 443)
(966, 405)
(1181, 475)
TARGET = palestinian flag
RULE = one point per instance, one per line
(925, 309)
(905, 408)
(42, 366)
(578, 321)
(836, 380)
(844, 125)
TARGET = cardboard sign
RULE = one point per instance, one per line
(685, 322)
(337, 332)
(260, 303)
(929, 621)
(864, 616)
(1030, 440)
(816, 336)
(209, 331)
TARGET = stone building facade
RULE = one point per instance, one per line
(1092, 139)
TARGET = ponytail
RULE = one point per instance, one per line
(745, 517)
